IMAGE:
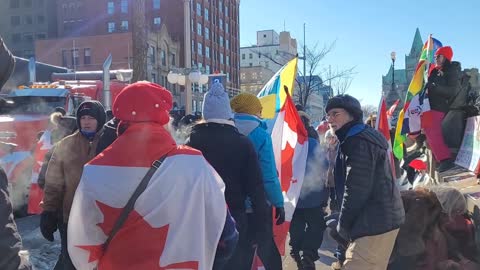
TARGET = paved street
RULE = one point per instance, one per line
(44, 254)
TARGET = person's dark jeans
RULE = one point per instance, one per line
(67, 262)
(306, 231)
(340, 254)
(266, 248)
(237, 261)
(59, 264)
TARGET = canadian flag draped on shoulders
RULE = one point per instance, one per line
(290, 143)
(176, 222)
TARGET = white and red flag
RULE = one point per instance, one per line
(44, 145)
(176, 222)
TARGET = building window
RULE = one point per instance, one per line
(15, 20)
(207, 69)
(124, 26)
(41, 36)
(199, 9)
(228, 76)
(40, 19)
(205, 14)
(199, 48)
(110, 7)
(227, 44)
(243, 56)
(64, 58)
(111, 27)
(193, 47)
(27, 3)
(172, 59)
(250, 56)
(14, 3)
(250, 64)
(242, 76)
(221, 58)
(220, 5)
(207, 51)
(87, 56)
(199, 29)
(228, 60)
(226, 11)
(207, 33)
(154, 77)
(226, 28)
(28, 37)
(151, 53)
(157, 21)
(221, 41)
(163, 58)
(28, 19)
(221, 24)
(124, 6)
(156, 4)
(16, 37)
(75, 58)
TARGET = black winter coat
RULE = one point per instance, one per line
(443, 87)
(108, 135)
(10, 242)
(233, 156)
(371, 202)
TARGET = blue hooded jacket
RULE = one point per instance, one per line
(256, 130)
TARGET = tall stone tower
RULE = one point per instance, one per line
(398, 90)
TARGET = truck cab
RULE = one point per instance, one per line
(21, 122)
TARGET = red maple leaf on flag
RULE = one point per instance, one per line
(137, 245)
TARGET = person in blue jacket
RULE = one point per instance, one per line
(248, 109)
(307, 225)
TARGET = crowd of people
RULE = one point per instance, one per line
(225, 177)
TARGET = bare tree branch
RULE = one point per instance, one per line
(306, 81)
(369, 110)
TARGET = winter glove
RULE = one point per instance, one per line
(280, 215)
(332, 216)
(48, 224)
(342, 232)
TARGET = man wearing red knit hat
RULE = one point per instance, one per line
(144, 202)
(443, 85)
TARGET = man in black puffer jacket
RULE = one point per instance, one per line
(372, 209)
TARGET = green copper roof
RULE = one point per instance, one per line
(417, 44)
(400, 76)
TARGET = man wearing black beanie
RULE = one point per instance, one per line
(64, 171)
(372, 209)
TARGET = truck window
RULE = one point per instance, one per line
(35, 105)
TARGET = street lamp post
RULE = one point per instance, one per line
(188, 54)
(185, 77)
(393, 55)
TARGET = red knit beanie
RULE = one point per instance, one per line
(446, 51)
(143, 102)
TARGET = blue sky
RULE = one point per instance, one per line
(366, 31)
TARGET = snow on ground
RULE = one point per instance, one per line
(43, 254)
